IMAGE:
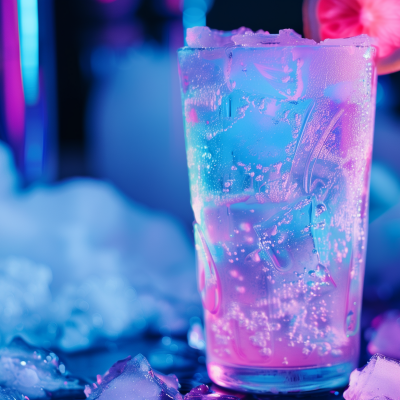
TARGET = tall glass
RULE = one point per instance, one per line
(279, 142)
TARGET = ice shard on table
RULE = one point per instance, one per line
(133, 378)
(10, 394)
(34, 372)
(378, 380)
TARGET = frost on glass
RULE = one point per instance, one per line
(279, 140)
(203, 36)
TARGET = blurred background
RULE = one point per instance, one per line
(89, 88)
(119, 110)
(99, 94)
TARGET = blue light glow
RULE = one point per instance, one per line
(28, 19)
(194, 13)
(380, 93)
(193, 17)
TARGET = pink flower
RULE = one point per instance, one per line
(345, 18)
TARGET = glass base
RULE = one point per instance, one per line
(280, 380)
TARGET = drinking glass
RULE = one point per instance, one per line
(279, 142)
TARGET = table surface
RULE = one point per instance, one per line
(177, 357)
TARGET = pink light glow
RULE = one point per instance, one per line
(174, 6)
(13, 89)
(192, 117)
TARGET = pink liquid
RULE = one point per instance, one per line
(267, 316)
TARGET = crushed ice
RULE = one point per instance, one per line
(33, 372)
(379, 379)
(204, 37)
(203, 392)
(10, 394)
(79, 262)
(134, 378)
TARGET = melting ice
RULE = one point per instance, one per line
(33, 372)
(295, 239)
(203, 392)
(379, 380)
(202, 36)
(133, 378)
(9, 394)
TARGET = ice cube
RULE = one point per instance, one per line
(386, 339)
(133, 378)
(294, 238)
(360, 40)
(10, 394)
(203, 392)
(379, 379)
(34, 372)
(202, 36)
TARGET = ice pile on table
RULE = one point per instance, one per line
(33, 372)
(378, 380)
(134, 378)
(80, 262)
(9, 394)
(203, 36)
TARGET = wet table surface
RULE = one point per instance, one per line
(167, 355)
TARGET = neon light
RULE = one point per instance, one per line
(194, 14)
(29, 48)
(14, 103)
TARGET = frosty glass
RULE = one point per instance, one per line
(279, 141)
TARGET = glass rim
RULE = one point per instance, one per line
(273, 45)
